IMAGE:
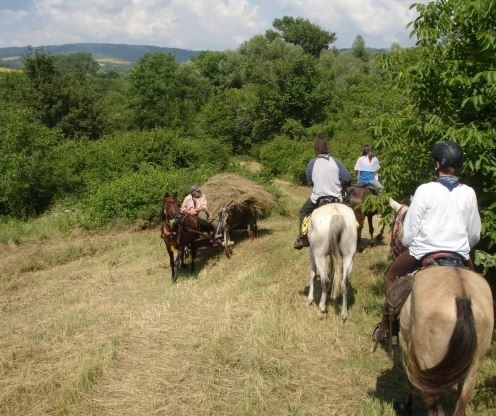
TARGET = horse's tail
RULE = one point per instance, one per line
(336, 230)
(458, 359)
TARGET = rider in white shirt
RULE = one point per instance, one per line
(443, 217)
(366, 168)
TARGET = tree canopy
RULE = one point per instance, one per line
(450, 78)
(312, 38)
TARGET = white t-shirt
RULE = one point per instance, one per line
(365, 164)
(440, 220)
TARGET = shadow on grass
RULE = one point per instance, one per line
(208, 253)
(391, 387)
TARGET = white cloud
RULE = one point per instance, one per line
(195, 24)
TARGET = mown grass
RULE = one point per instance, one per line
(100, 330)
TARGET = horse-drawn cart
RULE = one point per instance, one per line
(237, 203)
(183, 234)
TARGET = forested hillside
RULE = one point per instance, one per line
(101, 146)
(106, 54)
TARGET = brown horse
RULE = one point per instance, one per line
(357, 195)
(180, 233)
(447, 323)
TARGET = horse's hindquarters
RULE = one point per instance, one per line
(447, 323)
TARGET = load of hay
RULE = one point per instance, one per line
(238, 192)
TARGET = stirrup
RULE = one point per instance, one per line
(379, 334)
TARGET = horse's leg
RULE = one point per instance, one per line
(177, 262)
(465, 390)
(360, 218)
(407, 400)
(433, 407)
(347, 266)
(321, 264)
(193, 251)
(171, 262)
(380, 236)
(313, 273)
(253, 230)
(371, 229)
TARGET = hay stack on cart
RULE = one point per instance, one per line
(246, 201)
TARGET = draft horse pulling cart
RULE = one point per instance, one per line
(182, 234)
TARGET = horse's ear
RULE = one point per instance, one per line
(395, 205)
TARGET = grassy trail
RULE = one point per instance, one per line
(93, 326)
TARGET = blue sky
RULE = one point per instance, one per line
(196, 24)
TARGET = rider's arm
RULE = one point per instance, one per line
(187, 205)
(344, 174)
(201, 203)
(473, 220)
(413, 218)
(309, 171)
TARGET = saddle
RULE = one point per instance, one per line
(323, 200)
(370, 187)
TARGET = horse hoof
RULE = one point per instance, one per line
(322, 314)
(309, 303)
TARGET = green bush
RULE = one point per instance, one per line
(27, 178)
(138, 195)
(286, 157)
(87, 164)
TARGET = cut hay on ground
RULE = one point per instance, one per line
(238, 192)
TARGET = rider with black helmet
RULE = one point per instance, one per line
(443, 217)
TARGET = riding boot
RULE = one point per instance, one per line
(389, 326)
(381, 329)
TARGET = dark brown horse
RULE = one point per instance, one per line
(243, 217)
(180, 233)
(358, 194)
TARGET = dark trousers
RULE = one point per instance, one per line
(404, 264)
(306, 209)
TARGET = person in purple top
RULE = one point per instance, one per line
(327, 176)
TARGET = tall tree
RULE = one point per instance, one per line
(165, 93)
(452, 86)
(359, 50)
(312, 38)
(65, 100)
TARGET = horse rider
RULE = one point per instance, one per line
(195, 203)
(327, 176)
(366, 168)
(443, 221)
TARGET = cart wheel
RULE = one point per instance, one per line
(227, 243)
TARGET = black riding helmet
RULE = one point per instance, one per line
(448, 154)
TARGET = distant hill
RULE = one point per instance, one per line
(107, 54)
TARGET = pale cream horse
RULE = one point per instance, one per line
(332, 234)
(447, 324)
